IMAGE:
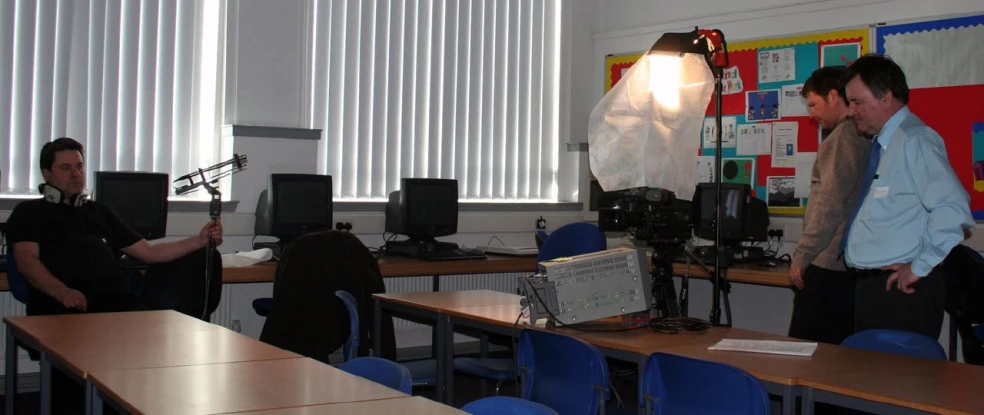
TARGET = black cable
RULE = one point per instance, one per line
(497, 239)
(674, 325)
(515, 348)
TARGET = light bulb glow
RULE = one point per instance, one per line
(664, 79)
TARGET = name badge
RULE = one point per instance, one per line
(879, 192)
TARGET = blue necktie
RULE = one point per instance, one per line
(870, 169)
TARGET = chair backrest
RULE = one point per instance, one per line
(384, 372)
(674, 384)
(572, 239)
(351, 347)
(898, 342)
(502, 405)
(565, 373)
(963, 268)
(18, 285)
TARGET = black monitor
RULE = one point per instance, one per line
(294, 204)
(735, 198)
(139, 198)
(423, 209)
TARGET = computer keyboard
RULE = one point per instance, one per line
(452, 254)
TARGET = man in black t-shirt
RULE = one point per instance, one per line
(64, 245)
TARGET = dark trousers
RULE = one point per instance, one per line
(823, 310)
(919, 312)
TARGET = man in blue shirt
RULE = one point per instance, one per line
(911, 207)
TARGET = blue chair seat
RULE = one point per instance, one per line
(496, 369)
(507, 405)
(898, 342)
(423, 372)
(381, 371)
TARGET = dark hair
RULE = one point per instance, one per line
(824, 80)
(61, 144)
(880, 74)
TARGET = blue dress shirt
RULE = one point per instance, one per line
(916, 209)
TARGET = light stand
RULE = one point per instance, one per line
(216, 172)
(712, 46)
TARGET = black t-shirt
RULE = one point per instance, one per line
(76, 244)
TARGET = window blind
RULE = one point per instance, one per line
(136, 82)
(464, 89)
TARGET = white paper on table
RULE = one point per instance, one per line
(754, 139)
(705, 169)
(793, 104)
(784, 144)
(729, 132)
(766, 346)
(804, 174)
(777, 65)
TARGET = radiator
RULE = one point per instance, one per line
(223, 314)
(496, 282)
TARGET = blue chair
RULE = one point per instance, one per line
(504, 405)
(565, 373)
(262, 306)
(381, 371)
(898, 342)
(572, 239)
(422, 372)
(18, 284)
(681, 385)
(568, 240)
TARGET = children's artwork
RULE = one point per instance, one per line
(731, 81)
(782, 191)
(793, 104)
(705, 169)
(754, 139)
(738, 170)
(978, 150)
(729, 132)
(839, 55)
(777, 65)
(784, 140)
(762, 105)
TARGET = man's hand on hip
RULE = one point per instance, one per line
(902, 278)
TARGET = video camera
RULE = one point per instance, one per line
(649, 214)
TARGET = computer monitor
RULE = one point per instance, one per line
(423, 209)
(139, 198)
(294, 204)
(734, 199)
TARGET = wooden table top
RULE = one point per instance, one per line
(397, 406)
(89, 342)
(438, 301)
(935, 386)
(788, 370)
(777, 276)
(236, 387)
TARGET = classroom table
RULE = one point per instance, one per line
(413, 405)
(79, 344)
(918, 386)
(232, 387)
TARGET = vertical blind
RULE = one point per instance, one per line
(136, 82)
(463, 89)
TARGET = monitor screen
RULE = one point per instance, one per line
(424, 208)
(139, 198)
(294, 204)
(734, 197)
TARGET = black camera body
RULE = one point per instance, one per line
(648, 214)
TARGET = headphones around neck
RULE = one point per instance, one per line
(55, 195)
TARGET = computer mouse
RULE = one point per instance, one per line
(769, 263)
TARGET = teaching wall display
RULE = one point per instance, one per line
(945, 72)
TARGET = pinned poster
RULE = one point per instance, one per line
(731, 81)
(804, 173)
(754, 139)
(729, 132)
(738, 170)
(705, 169)
(784, 144)
(793, 104)
(782, 192)
(978, 151)
(839, 55)
(777, 65)
(762, 105)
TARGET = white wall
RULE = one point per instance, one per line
(634, 25)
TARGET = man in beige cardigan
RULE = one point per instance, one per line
(823, 306)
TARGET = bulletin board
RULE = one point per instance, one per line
(618, 65)
(945, 73)
(768, 138)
